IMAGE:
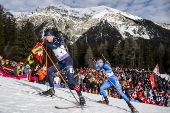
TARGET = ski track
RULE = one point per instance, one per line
(18, 96)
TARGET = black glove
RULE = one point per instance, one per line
(93, 59)
(40, 40)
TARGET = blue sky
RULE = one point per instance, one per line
(154, 10)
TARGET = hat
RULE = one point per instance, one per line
(27, 65)
(49, 33)
(14, 63)
(99, 60)
(21, 62)
(6, 60)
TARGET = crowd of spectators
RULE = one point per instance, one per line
(36, 74)
(135, 83)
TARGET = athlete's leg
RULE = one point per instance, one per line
(105, 85)
(51, 70)
(114, 80)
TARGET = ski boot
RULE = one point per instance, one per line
(82, 101)
(105, 101)
(51, 92)
(132, 108)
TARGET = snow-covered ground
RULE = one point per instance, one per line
(15, 99)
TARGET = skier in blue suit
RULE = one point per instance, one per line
(65, 63)
(112, 81)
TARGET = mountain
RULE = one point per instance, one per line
(95, 24)
(19, 96)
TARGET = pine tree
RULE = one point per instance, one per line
(161, 53)
(73, 53)
(117, 53)
(105, 50)
(140, 53)
(24, 42)
(2, 40)
(133, 51)
(125, 55)
(88, 58)
(167, 61)
(81, 50)
(10, 32)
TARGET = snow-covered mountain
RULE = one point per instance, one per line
(75, 22)
(16, 97)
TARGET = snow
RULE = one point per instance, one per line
(61, 9)
(81, 19)
(15, 99)
(18, 14)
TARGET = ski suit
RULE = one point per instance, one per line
(112, 79)
(65, 63)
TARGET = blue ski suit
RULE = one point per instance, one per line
(112, 80)
(65, 63)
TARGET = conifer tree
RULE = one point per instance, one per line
(140, 53)
(2, 41)
(117, 53)
(24, 42)
(74, 54)
(167, 61)
(161, 54)
(88, 58)
(125, 55)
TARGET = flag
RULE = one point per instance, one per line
(38, 52)
(30, 59)
(152, 79)
(9, 68)
(156, 70)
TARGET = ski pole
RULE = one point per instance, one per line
(105, 59)
(59, 72)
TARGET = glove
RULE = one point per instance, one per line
(40, 40)
(93, 59)
(106, 76)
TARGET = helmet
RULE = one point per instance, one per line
(99, 60)
(49, 33)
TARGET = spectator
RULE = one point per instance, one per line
(21, 68)
(1, 58)
(41, 75)
(86, 83)
(7, 64)
(34, 75)
(27, 70)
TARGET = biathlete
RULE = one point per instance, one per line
(112, 81)
(65, 63)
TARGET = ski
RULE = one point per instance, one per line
(68, 107)
(116, 107)
(101, 102)
(30, 92)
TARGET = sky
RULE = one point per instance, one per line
(154, 10)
